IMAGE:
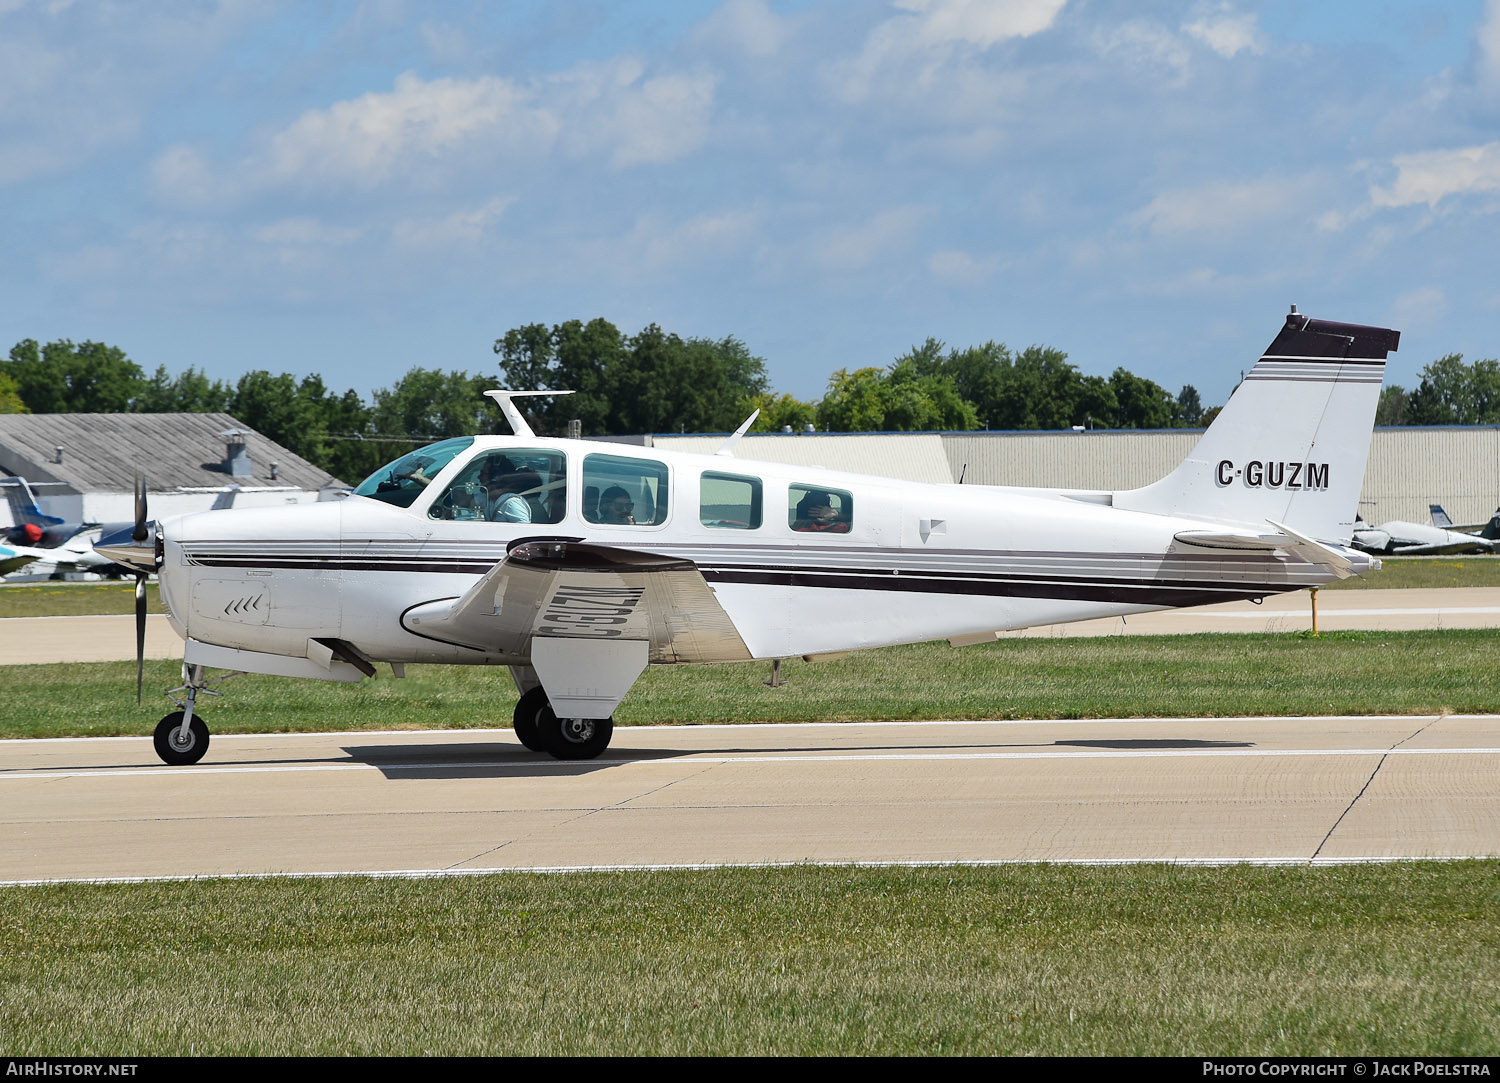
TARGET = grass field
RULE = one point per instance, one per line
(1425, 672)
(1356, 960)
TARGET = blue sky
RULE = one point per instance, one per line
(357, 188)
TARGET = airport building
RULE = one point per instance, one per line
(82, 467)
(1409, 467)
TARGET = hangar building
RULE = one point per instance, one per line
(82, 467)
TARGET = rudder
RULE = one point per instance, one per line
(1290, 445)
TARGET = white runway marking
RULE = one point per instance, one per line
(560, 870)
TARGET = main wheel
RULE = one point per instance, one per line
(574, 738)
(172, 748)
(528, 710)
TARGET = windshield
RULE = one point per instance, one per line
(402, 481)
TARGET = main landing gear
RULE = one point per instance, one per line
(539, 729)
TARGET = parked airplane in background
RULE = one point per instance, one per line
(1399, 538)
(1489, 529)
(49, 545)
(576, 564)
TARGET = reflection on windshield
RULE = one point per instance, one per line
(401, 482)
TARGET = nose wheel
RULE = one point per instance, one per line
(179, 745)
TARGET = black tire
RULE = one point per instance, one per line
(528, 710)
(574, 738)
(172, 752)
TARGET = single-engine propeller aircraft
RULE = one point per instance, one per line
(577, 564)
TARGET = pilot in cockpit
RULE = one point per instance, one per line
(505, 488)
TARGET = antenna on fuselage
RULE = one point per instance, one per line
(502, 399)
(728, 446)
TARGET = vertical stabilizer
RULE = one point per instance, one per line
(1291, 443)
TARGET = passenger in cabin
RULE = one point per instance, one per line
(615, 506)
(557, 503)
(815, 513)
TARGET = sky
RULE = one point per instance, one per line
(353, 189)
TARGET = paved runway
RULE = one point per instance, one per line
(1301, 790)
(105, 639)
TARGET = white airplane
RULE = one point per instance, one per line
(1489, 529)
(576, 564)
(1400, 538)
(76, 554)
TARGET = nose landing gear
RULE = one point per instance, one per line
(181, 737)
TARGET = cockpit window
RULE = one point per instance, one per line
(828, 511)
(729, 501)
(624, 491)
(517, 485)
(401, 482)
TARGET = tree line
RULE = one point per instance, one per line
(656, 381)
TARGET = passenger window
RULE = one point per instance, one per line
(829, 511)
(517, 485)
(729, 501)
(621, 491)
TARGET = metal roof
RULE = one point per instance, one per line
(102, 452)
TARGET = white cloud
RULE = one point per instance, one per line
(361, 140)
(852, 248)
(461, 229)
(441, 128)
(1420, 307)
(982, 23)
(747, 26)
(1226, 32)
(1487, 40)
(702, 237)
(959, 268)
(916, 45)
(1145, 44)
(305, 233)
(1223, 207)
(1431, 176)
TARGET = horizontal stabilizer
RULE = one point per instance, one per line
(1226, 539)
(1286, 539)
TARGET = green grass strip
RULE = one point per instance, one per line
(1157, 960)
(1358, 673)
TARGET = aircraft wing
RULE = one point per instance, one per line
(12, 561)
(567, 589)
(1466, 543)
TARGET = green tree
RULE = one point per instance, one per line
(1140, 403)
(1188, 412)
(189, 392)
(902, 398)
(654, 381)
(1392, 408)
(10, 396)
(63, 378)
(779, 412)
(1453, 393)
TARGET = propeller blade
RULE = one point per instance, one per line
(140, 635)
(138, 535)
